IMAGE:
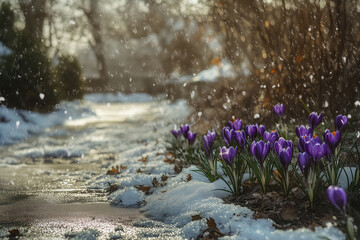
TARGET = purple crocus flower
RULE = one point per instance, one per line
(240, 138)
(340, 122)
(260, 150)
(284, 151)
(304, 164)
(279, 109)
(191, 137)
(332, 139)
(228, 154)
(260, 129)
(337, 197)
(285, 156)
(314, 120)
(176, 132)
(303, 131)
(251, 131)
(209, 142)
(315, 150)
(271, 137)
(184, 129)
(236, 124)
(281, 144)
(227, 135)
(305, 139)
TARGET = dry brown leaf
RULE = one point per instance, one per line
(164, 178)
(112, 187)
(196, 217)
(142, 188)
(122, 167)
(155, 182)
(211, 223)
(169, 154)
(313, 225)
(138, 171)
(288, 213)
(216, 61)
(169, 161)
(113, 171)
(299, 58)
(14, 233)
(188, 178)
(144, 159)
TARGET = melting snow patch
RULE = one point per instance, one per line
(88, 234)
(127, 196)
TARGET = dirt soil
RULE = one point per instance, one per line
(291, 212)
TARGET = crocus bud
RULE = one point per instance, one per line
(260, 150)
(279, 109)
(337, 197)
(314, 120)
(191, 137)
(176, 132)
(340, 122)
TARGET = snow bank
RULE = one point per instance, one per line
(179, 200)
(223, 70)
(16, 125)
(118, 97)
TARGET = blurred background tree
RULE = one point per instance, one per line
(305, 54)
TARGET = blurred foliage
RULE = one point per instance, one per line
(27, 80)
(305, 54)
(69, 75)
(27, 77)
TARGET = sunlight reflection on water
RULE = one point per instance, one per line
(117, 113)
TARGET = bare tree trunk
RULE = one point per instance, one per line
(97, 44)
(34, 13)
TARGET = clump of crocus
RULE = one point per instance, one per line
(340, 122)
(338, 198)
(314, 120)
(279, 110)
(251, 131)
(284, 151)
(262, 169)
(309, 166)
(233, 165)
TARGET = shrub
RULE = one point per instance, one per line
(69, 76)
(296, 51)
(26, 80)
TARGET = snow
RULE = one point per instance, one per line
(4, 51)
(16, 125)
(127, 196)
(223, 70)
(118, 97)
